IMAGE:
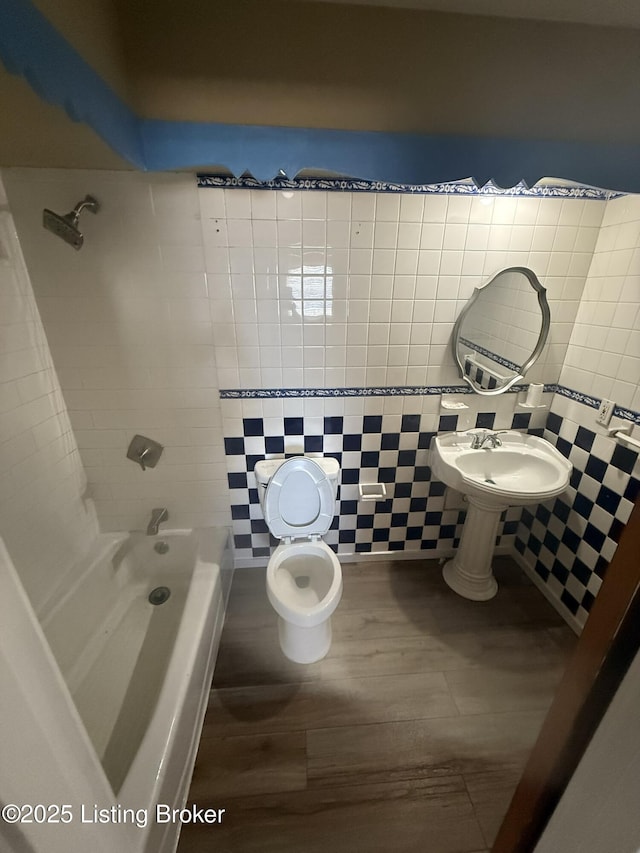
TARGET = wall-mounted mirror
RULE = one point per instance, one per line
(501, 330)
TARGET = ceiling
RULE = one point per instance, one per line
(607, 13)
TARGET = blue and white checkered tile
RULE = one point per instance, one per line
(570, 540)
(384, 449)
(480, 376)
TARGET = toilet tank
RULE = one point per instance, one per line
(266, 468)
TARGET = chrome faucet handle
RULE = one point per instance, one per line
(145, 451)
(141, 457)
(482, 436)
(478, 439)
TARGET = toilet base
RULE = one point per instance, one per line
(304, 645)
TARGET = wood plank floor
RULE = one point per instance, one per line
(409, 736)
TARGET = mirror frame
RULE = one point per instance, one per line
(542, 338)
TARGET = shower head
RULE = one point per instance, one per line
(67, 226)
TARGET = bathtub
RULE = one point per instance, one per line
(139, 673)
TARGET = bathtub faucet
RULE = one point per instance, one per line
(157, 517)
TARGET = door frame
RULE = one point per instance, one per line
(609, 642)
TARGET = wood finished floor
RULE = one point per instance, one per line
(409, 736)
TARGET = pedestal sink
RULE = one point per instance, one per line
(520, 469)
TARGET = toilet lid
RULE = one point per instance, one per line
(299, 500)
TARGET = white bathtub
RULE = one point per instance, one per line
(139, 673)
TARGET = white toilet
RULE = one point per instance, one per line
(304, 578)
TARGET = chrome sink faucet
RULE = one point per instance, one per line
(157, 517)
(479, 439)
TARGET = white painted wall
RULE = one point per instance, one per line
(598, 812)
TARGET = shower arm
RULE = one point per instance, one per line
(88, 202)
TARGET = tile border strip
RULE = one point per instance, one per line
(466, 188)
(492, 356)
(594, 403)
(408, 391)
(371, 391)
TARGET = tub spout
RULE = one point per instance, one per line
(157, 517)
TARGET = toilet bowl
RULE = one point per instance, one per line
(304, 578)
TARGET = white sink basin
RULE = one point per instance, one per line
(523, 469)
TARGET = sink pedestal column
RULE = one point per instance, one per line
(469, 573)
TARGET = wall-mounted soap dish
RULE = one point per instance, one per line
(452, 402)
(372, 491)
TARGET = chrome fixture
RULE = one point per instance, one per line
(479, 439)
(66, 226)
(145, 451)
(157, 517)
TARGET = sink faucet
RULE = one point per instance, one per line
(157, 517)
(479, 439)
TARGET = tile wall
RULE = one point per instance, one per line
(327, 290)
(603, 357)
(129, 325)
(180, 292)
(45, 520)
(331, 289)
(568, 543)
(297, 289)
(382, 440)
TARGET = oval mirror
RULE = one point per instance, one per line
(501, 330)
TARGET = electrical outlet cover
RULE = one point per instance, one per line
(604, 412)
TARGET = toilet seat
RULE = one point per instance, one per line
(299, 500)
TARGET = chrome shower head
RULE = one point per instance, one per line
(67, 226)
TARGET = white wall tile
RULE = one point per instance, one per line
(603, 357)
(363, 207)
(45, 520)
(144, 350)
(263, 203)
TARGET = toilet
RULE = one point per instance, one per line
(304, 578)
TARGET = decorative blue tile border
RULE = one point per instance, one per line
(627, 414)
(578, 396)
(492, 356)
(378, 391)
(408, 391)
(594, 403)
(382, 391)
(579, 191)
